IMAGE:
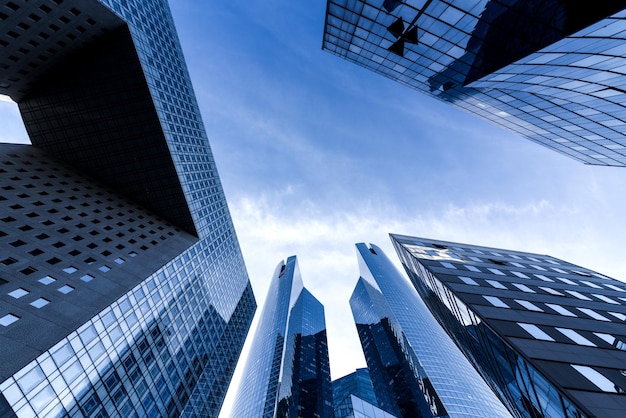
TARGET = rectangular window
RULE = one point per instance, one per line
(523, 288)
(495, 301)
(520, 275)
(472, 268)
(591, 284)
(595, 377)
(496, 271)
(529, 306)
(447, 265)
(468, 280)
(618, 315)
(610, 286)
(593, 314)
(513, 263)
(538, 267)
(535, 331)
(544, 278)
(576, 337)
(558, 270)
(551, 291)
(578, 295)
(478, 260)
(568, 281)
(560, 309)
(606, 299)
(608, 338)
(496, 284)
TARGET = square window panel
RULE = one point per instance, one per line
(18, 293)
(47, 280)
(8, 319)
(65, 289)
(70, 269)
(87, 278)
(104, 268)
(40, 303)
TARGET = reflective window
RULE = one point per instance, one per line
(495, 301)
(544, 278)
(40, 303)
(609, 339)
(576, 337)
(618, 315)
(447, 265)
(560, 309)
(551, 291)
(496, 271)
(520, 275)
(47, 280)
(568, 281)
(528, 305)
(577, 295)
(523, 288)
(468, 280)
(496, 284)
(535, 331)
(18, 293)
(472, 268)
(8, 319)
(591, 284)
(595, 377)
(606, 299)
(593, 314)
(610, 286)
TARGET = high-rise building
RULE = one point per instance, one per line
(353, 396)
(550, 70)
(123, 291)
(415, 368)
(547, 335)
(287, 373)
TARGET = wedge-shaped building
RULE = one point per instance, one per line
(287, 372)
(416, 370)
(550, 70)
(548, 336)
(123, 291)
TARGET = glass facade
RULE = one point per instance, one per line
(354, 407)
(123, 291)
(357, 383)
(415, 368)
(544, 333)
(287, 373)
(551, 71)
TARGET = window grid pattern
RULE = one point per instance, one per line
(561, 89)
(566, 312)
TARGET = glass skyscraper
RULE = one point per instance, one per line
(415, 368)
(550, 70)
(287, 372)
(123, 291)
(353, 396)
(547, 335)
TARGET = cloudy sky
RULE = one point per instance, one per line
(316, 154)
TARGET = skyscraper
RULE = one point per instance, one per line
(415, 368)
(287, 373)
(550, 70)
(547, 335)
(353, 396)
(123, 291)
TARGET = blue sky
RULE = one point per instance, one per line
(316, 153)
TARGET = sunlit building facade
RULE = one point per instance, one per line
(123, 291)
(416, 370)
(287, 373)
(550, 70)
(547, 335)
(353, 396)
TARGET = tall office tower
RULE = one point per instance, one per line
(123, 291)
(415, 368)
(353, 396)
(547, 335)
(550, 70)
(287, 373)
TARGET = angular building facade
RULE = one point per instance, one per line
(353, 396)
(548, 336)
(550, 70)
(415, 368)
(123, 291)
(287, 373)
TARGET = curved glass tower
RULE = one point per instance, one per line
(287, 372)
(123, 291)
(415, 368)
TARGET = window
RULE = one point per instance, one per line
(595, 377)
(618, 315)
(18, 293)
(610, 286)
(544, 278)
(40, 303)
(528, 305)
(606, 299)
(578, 295)
(495, 301)
(468, 280)
(8, 319)
(496, 271)
(523, 288)
(590, 284)
(538, 267)
(558, 270)
(47, 280)
(535, 331)
(496, 284)
(472, 268)
(576, 337)
(513, 263)
(70, 269)
(520, 275)
(447, 265)
(65, 289)
(560, 309)
(568, 281)
(87, 278)
(104, 269)
(608, 338)
(593, 314)
(551, 291)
